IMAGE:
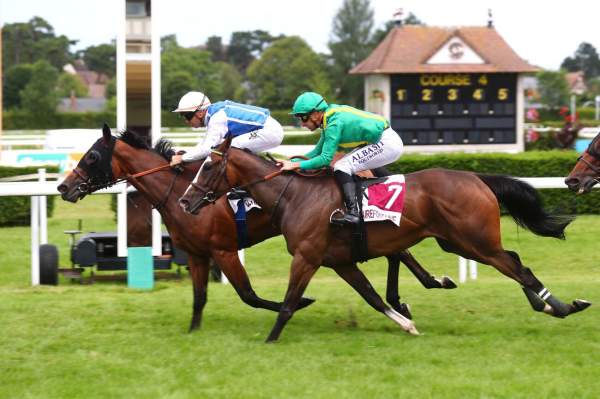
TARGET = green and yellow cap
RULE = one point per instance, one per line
(308, 102)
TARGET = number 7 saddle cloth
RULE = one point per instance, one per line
(383, 199)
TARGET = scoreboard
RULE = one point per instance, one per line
(454, 108)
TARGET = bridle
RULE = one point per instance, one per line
(103, 177)
(594, 154)
(212, 195)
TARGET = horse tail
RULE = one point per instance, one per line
(524, 204)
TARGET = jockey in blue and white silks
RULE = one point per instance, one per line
(251, 127)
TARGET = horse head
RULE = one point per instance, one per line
(211, 181)
(586, 172)
(94, 170)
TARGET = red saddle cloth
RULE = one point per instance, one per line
(385, 200)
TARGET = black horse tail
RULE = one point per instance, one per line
(524, 204)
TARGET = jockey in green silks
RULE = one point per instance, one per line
(374, 144)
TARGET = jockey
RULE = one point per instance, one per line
(251, 127)
(374, 144)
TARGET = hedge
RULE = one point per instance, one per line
(15, 211)
(526, 164)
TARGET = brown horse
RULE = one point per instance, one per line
(461, 210)
(586, 172)
(210, 233)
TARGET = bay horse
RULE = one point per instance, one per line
(586, 172)
(461, 210)
(209, 234)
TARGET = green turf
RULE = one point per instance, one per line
(481, 340)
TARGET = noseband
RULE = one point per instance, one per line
(594, 154)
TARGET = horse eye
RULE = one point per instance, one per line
(93, 157)
(207, 166)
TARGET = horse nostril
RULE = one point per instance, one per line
(571, 181)
(185, 204)
(62, 188)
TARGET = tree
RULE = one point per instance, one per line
(15, 80)
(40, 95)
(350, 44)
(26, 43)
(230, 80)
(553, 89)
(101, 59)
(244, 47)
(168, 43)
(287, 68)
(381, 33)
(585, 59)
(68, 84)
(214, 44)
(188, 69)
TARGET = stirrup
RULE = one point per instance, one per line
(335, 211)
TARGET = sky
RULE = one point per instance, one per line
(543, 32)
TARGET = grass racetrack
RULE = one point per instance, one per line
(481, 340)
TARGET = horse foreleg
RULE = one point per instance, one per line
(428, 280)
(300, 274)
(357, 280)
(230, 265)
(199, 268)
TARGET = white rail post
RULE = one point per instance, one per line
(43, 210)
(122, 222)
(35, 240)
(155, 114)
(472, 269)
(462, 269)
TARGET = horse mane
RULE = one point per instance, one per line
(164, 147)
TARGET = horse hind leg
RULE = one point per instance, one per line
(425, 278)
(539, 297)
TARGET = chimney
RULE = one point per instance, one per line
(398, 17)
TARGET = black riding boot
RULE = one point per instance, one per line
(348, 187)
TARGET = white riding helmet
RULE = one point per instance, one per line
(193, 101)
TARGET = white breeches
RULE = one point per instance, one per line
(387, 150)
(270, 136)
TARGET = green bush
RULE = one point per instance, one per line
(527, 164)
(15, 211)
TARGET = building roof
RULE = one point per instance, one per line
(408, 48)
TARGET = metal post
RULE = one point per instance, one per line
(43, 210)
(35, 240)
(155, 112)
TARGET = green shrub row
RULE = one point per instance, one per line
(16, 211)
(526, 164)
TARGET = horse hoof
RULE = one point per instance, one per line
(580, 304)
(413, 330)
(448, 283)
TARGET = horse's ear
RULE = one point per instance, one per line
(106, 134)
